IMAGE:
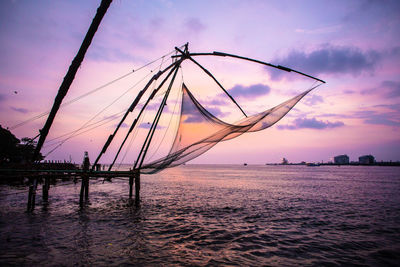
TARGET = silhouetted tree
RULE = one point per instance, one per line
(13, 150)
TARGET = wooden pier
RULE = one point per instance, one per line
(83, 174)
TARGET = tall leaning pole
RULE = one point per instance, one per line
(69, 77)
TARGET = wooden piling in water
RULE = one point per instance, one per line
(45, 189)
(86, 187)
(82, 191)
(75, 174)
(28, 208)
(32, 195)
(131, 186)
(85, 179)
(84, 194)
(137, 188)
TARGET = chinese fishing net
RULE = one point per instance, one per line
(199, 130)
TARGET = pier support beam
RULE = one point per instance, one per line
(131, 185)
(32, 195)
(84, 194)
(45, 189)
(137, 188)
(86, 187)
(82, 191)
(85, 179)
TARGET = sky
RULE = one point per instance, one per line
(352, 45)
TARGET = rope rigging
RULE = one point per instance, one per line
(91, 91)
(194, 131)
(86, 124)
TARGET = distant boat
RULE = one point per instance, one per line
(245, 164)
(313, 164)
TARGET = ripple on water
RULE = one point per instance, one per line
(212, 215)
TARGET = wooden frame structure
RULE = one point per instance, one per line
(134, 174)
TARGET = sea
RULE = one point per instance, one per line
(211, 215)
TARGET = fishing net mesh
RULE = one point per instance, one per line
(199, 130)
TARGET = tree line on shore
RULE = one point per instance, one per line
(14, 150)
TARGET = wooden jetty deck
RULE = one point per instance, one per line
(84, 175)
(69, 173)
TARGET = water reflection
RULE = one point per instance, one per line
(216, 215)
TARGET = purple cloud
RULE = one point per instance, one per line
(310, 124)
(394, 107)
(329, 60)
(392, 88)
(2, 97)
(194, 118)
(156, 106)
(387, 89)
(157, 22)
(313, 100)
(381, 119)
(20, 110)
(373, 117)
(194, 25)
(348, 92)
(394, 52)
(147, 125)
(123, 125)
(193, 115)
(215, 111)
(251, 91)
(217, 102)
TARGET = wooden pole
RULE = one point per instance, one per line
(85, 179)
(86, 187)
(69, 77)
(130, 186)
(28, 208)
(33, 194)
(82, 191)
(45, 189)
(143, 108)
(137, 188)
(147, 141)
(252, 60)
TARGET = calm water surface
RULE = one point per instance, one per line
(212, 215)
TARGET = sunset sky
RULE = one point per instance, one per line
(353, 45)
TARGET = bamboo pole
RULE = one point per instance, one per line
(45, 189)
(69, 77)
(131, 178)
(142, 110)
(137, 188)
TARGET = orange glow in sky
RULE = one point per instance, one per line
(355, 48)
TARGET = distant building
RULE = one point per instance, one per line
(366, 159)
(285, 161)
(341, 159)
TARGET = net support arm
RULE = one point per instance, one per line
(69, 77)
(131, 108)
(146, 144)
(186, 54)
(141, 112)
(221, 54)
(223, 89)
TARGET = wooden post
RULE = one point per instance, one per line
(137, 188)
(33, 195)
(45, 189)
(29, 206)
(85, 179)
(82, 191)
(86, 187)
(130, 186)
